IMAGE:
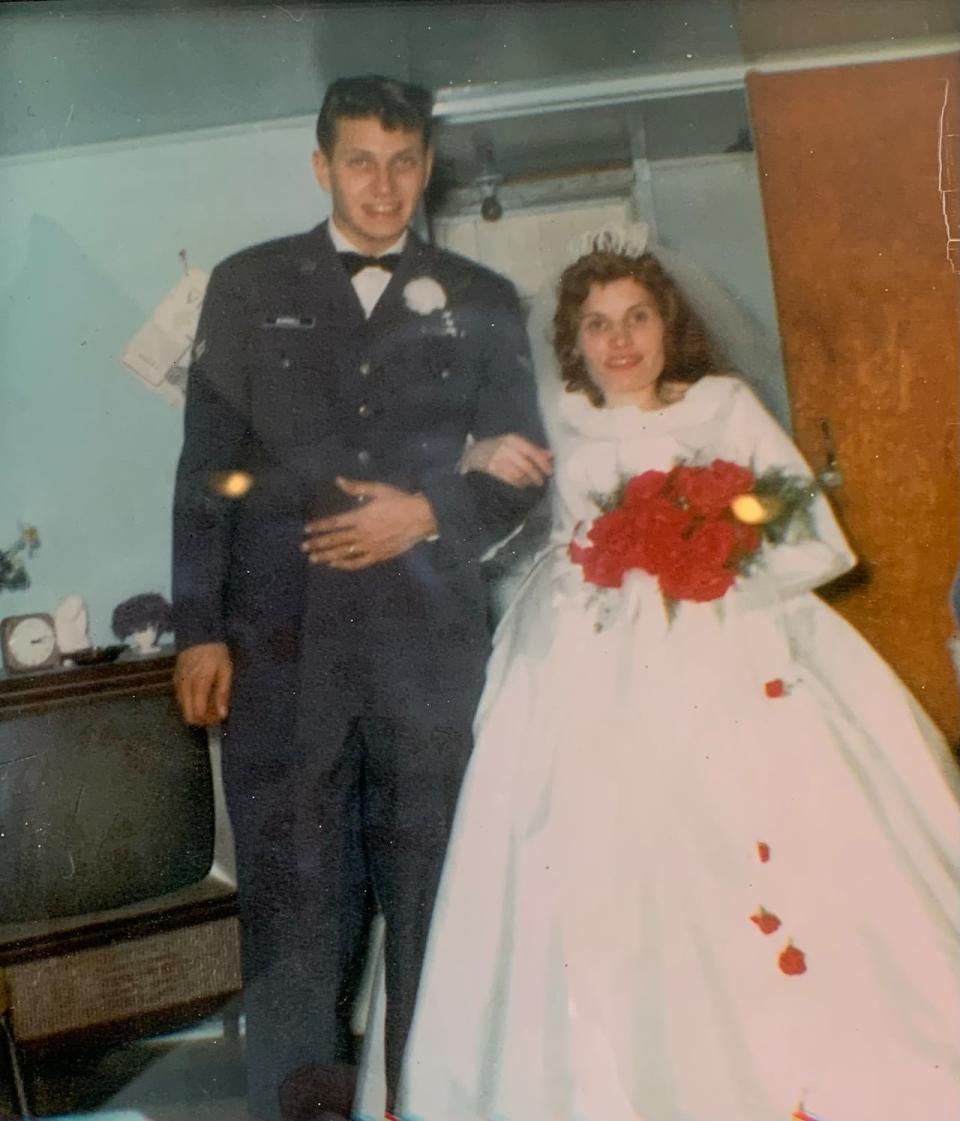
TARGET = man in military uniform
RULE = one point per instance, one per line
(329, 604)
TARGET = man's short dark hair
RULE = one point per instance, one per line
(394, 104)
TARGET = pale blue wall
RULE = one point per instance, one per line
(89, 236)
(88, 246)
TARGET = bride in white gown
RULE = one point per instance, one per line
(705, 865)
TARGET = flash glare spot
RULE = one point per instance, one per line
(231, 484)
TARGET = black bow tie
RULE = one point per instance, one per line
(355, 262)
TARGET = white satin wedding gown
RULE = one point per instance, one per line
(635, 796)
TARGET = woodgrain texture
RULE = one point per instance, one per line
(856, 204)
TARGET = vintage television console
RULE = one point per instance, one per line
(117, 882)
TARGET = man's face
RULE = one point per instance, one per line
(375, 177)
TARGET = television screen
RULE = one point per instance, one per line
(102, 804)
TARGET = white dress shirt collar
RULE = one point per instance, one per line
(369, 283)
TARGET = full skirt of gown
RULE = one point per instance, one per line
(705, 864)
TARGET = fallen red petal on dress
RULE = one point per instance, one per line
(775, 688)
(763, 851)
(802, 1115)
(793, 961)
(767, 921)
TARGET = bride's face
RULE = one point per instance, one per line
(620, 338)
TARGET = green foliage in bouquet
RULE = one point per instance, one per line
(789, 499)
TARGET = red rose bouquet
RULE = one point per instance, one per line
(696, 528)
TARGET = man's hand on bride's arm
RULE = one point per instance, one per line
(510, 458)
(387, 522)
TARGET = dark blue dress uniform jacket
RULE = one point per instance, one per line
(291, 383)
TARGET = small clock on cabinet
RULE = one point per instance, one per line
(28, 643)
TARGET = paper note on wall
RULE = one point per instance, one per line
(159, 353)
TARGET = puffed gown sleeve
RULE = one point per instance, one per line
(802, 562)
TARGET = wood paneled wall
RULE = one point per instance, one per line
(857, 204)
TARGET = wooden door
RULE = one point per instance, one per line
(857, 167)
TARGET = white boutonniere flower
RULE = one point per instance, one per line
(424, 295)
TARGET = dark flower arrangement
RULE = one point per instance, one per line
(13, 572)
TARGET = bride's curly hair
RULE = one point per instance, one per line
(688, 351)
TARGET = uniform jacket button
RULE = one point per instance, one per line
(285, 363)
(364, 369)
(363, 456)
(364, 410)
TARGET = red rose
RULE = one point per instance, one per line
(598, 568)
(616, 531)
(642, 487)
(713, 543)
(763, 851)
(699, 570)
(698, 586)
(747, 540)
(767, 921)
(662, 531)
(614, 540)
(578, 553)
(793, 962)
(775, 688)
(710, 490)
